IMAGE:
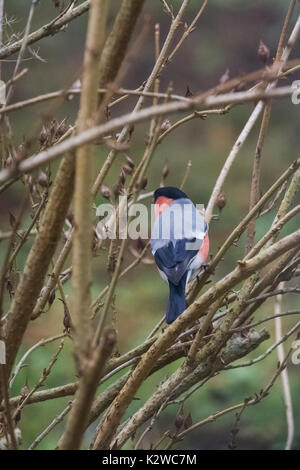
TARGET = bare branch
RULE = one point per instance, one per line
(131, 118)
(93, 367)
(49, 29)
(284, 374)
(81, 254)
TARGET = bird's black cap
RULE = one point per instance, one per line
(170, 192)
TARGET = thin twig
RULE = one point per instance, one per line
(58, 419)
(12, 443)
(42, 342)
(46, 372)
(68, 94)
(284, 374)
(169, 108)
(268, 351)
(247, 128)
(248, 402)
(23, 47)
(53, 27)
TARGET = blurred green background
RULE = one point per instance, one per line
(227, 37)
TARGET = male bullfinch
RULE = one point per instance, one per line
(179, 242)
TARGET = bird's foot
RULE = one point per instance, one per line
(206, 268)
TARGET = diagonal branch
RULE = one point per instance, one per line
(241, 272)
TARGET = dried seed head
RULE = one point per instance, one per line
(221, 201)
(130, 162)
(225, 77)
(131, 129)
(188, 422)
(9, 162)
(263, 52)
(25, 390)
(165, 171)
(12, 220)
(61, 129)
(188, 92)
(165, 125)
(43, 136)
(67, 322)
(179, 420)
(144, 183)
(22, 151)
(51, 297)
(30, 181)
(117, 190)
(105, 191)
(70, 216)
(53, 126)
(127, 169)
(43, 179)
(77, 84)
(122, 178)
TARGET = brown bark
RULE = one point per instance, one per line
(39, 258)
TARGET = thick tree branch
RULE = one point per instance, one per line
(93, 367)
(241, 272)
(81, 254)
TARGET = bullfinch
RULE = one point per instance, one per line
(179, 243)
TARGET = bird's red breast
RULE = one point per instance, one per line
(204, 248)
(161, 204)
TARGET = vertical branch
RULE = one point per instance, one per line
(283, 208)
(92, 365)
(1, 28)
(78, 419)
(135, 180)
(91, 360)
(288, 198)
(154, 73)
(6, 263)
(39, 258)
(23, 46)
(255, 182)
(284, 373)
(284, 29)
(118, 40)
(11, 441)
(250, 123)
(156, 81)
(2, 158)
(115, 46)
(188, 30)
(230, 159)
(82, 277)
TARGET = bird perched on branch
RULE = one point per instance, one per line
(180, 244)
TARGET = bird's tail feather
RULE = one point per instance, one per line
(177, 303)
